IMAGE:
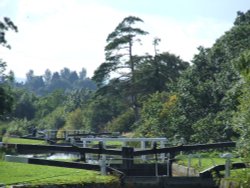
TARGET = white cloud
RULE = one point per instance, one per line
(183, 38)
(56, 34)
(73, 36)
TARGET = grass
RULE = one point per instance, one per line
(108, 143)
(18, 173)
(205, 162)
(41, 142)
(39, 175)
(22, 141)
(241, 176)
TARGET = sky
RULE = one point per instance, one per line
(54, 34)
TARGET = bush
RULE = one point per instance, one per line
(122, 123)
(3, 129)
(19, 127)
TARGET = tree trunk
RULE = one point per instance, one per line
(133, 93)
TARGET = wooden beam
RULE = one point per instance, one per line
(186, 148)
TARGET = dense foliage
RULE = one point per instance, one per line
(151, 95)
(207, 94)
(6, 99)
(242, 116)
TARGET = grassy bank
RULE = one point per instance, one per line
(22, 141)
(204, 163)
(240, 176)
(39, 175)
(18, 173)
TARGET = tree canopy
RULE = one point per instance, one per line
(6, 99)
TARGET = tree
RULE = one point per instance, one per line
(242, 116)
(29, 75)
(46, 104)
(159, 73)
(75, 121)
(73, 77)
(77, 99)
(242, 18)
(123, 122)
(55, 120)
(210, 89)
(58, 83)
(120, 58)
(82, 74)
(12, 77)
(47, 76)
(65, 73)
(55, 77)
(100, 111)
(203, 104)
(156, 42)
(150, 124)
(86, 84)
(157, 118)
(5, 25)
(35, 84)
(6, 99)
(25, 105)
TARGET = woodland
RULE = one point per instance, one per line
(152, 95)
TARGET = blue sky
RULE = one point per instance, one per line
(71, 33)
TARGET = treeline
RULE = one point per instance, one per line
(204, 101)
(65, 80)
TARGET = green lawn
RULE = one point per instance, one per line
(19, 173)
(205, 162)
(242, 176)
(22, 141)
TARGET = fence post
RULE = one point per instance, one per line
(227, 156)
(102, 158)
(143, 147)
(72, 141)
(171, 159)
(65, 135)
(200, 161)
(100, 146)
(156, 159)
(46, 137)
(162, 145)
(84, 144)
(102, 163)
(127, 157)
(82, 156)
(168, 164)
(227, 167)
(189, 164)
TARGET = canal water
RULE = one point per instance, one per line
(64, 156)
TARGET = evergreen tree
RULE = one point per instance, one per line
(121, 60)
